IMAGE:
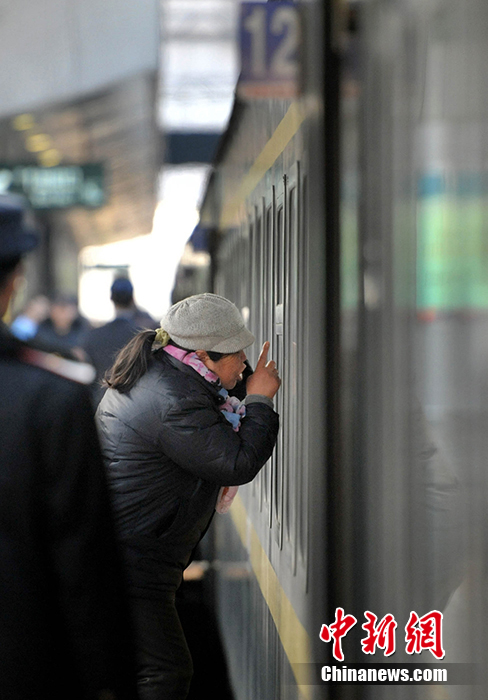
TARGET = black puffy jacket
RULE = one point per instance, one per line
(64, 618)
(168, 449)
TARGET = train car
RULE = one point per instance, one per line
(345, 218)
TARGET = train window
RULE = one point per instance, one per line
(268, 266)
(241, 299)
(258, 285)
(279, 259)
(292, 477)
(251, 279)
(268, 324)
(259, 271)
(263, 478)
(302, 378)
(279, 275)
(270, 275)
(256, 279)
(257, 274)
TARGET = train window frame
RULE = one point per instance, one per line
(292, 473)
(303, 252)
(278, 354)
(255, 258)
(268, 218)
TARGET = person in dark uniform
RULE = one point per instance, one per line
(102, 344)
(65, 630)
(122, 295)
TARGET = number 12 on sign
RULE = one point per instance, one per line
(270, 47)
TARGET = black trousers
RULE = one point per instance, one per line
(164, 664)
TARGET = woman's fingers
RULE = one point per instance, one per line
(263, 355)
(265, 379)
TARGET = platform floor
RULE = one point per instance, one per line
(201, 629)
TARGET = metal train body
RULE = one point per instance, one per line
(262, 266)
(375, 497)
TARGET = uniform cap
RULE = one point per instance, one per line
(207, 322)
(122, 285)
(16, 236)
(121, 292)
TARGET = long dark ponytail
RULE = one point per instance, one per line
(131, 363)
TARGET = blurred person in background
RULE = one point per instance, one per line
(64, 329)
(176, 445)
(102, 344)
(65, 630)
(26, 323)
(122, 296)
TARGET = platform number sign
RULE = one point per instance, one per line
(270, 50)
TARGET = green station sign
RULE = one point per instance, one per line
(58, 187)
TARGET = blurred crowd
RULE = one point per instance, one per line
(56, 325)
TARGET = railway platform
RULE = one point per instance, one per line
(196, 611)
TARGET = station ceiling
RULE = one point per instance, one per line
(114, 127)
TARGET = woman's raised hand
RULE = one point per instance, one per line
(265, 380)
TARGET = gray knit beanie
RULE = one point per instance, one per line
(207, 322)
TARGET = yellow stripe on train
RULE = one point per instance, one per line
(293, 636)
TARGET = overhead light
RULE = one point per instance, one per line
(23, 122)
(38, 142)
(49, 158)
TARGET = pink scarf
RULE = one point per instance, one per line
(232, 408)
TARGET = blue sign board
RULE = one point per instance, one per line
(270, 35)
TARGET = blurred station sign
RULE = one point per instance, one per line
(269, 37)
(58, 187)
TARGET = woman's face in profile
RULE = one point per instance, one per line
(229, 368)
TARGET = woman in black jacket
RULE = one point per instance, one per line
(173, 441)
